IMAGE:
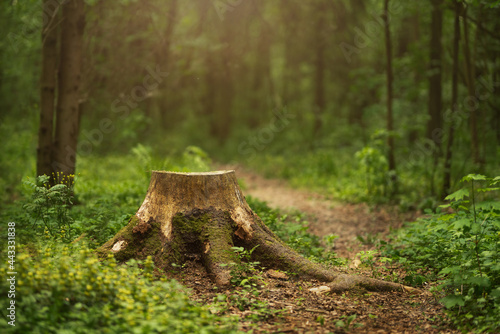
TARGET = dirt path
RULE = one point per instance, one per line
(326, 216)
(304, 311)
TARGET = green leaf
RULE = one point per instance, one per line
(488, 205)
(447, 270)
(461, 223)
(483, 190)
(446, 217)
(482, 282)
(488, 253)
(453, 300)
(475, 177)
(495, 180)
(458, 195)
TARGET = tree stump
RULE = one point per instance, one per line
(203, 215)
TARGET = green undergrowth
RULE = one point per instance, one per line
(63, 288)
(458, 247)
(359, 172)
(248, 281)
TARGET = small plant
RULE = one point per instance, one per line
(459, 247)
(375, 167)
(368, 258)
(247, 278)
(245, 273)
(49, 207)
(345, 322)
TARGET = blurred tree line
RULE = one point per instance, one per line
(246, 77)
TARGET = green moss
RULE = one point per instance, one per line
(198, 227)
(220, 234)
(190, 232)
(186, 224)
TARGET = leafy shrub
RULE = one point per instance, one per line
(65, 289)
(49, 207)
(461, 248)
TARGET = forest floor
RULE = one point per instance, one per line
(303, 311)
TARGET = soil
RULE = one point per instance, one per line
(292, 307)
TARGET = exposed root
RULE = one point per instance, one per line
(345, 282)
(220, 274)
(272, 252)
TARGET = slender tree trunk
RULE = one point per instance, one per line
(390, 79)
(480, 56)
(67, 120)
(48, 89)
(470, 77)
(319, 64)
(226, 95)
(496, 78)
(260, 73)
(454, 100)
(413, 132)
(163, 58)
(289, 17)
(435, 87)
(434, 126)
(209, 96)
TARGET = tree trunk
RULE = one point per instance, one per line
(164, 57)
(390, 125)
(454, 100)
(319, 65)
(434, 126)
(48, 89)
(470, 70)
(203, 215)
(290, 20)
(435, 88)
(67, 120)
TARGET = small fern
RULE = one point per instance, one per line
(48, 208)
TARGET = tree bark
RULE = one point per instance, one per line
(319, 65)
(203, 215)
(434, 125)
(435, 88)
(290, 20)
(164, 57)
(67, 120)
(454, 100)
(470, 77)
(48, 89)
(390, 79)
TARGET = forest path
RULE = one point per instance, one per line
(327, 216)
(308, 312)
